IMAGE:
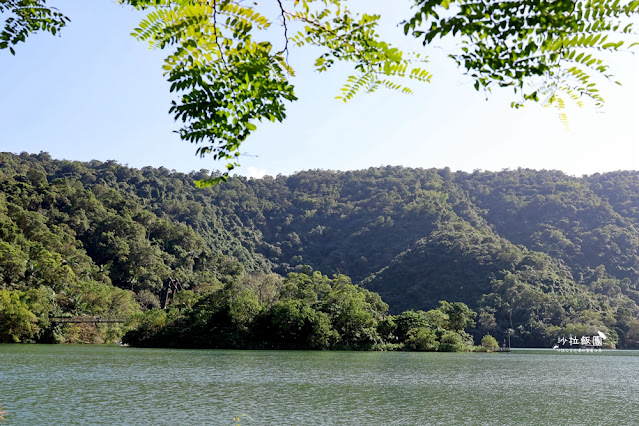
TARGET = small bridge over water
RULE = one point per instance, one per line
(87, 320)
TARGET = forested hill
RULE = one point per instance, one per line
(536, 251)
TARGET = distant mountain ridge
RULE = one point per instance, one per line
(535, 251)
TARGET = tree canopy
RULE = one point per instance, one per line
(229, 68)
(537, 252)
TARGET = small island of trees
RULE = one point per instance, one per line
(302, 311)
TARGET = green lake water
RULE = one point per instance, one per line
(68, 384)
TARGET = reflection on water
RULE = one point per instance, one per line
(69, 384)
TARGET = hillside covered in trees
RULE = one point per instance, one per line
(540, 253)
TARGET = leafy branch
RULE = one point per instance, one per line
(26, 17)
(227, 77)
(516, 43)
(354, 39)
(226, 80)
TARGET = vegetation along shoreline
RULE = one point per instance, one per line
(318, 259)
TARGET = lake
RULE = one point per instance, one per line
(95, 384)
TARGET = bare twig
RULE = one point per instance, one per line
(285, 30)
(217, 41)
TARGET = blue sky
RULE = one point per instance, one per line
(97, 93)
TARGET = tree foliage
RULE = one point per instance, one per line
(229, 68)
(228, 76)
(537, 252)
(23, 17)
(68, 250)
(309, 312)
(545, 50)
(490, 343)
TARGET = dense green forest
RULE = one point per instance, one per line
(302, 311)
(539, 254)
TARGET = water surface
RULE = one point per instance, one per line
(69, 384)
